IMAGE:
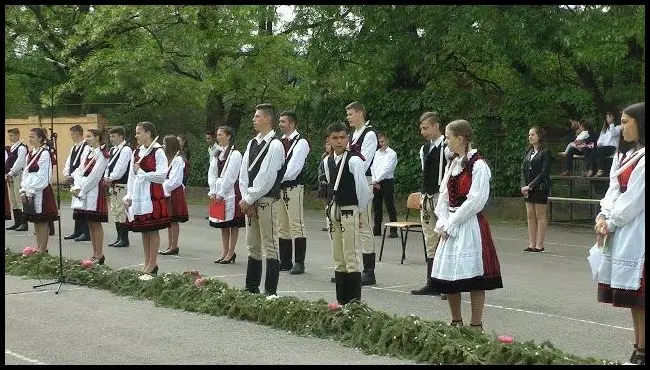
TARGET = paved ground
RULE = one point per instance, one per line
(546, 296)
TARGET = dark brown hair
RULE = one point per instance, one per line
(461, 127)
(433, 116)
(172, 146)
(268, 110)
(14, 131)
(117, 130)
(97, 133)
(40, 134)
(148, 127)
(636, 111)
(357, 106)
(78, 129)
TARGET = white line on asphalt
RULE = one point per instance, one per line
(556, 316)
(39, 291)
(24, 358)
(305, 291)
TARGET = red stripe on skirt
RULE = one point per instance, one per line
(178, 204)
(159, 215)
(491, 266)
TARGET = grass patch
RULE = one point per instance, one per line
(355, 325)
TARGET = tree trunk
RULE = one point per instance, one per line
(215, 111)
(235, 115)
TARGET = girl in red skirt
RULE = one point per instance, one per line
(174, 191)
(145, 202)
(36, 192)
(89, 196)
(465, 260)
(620, 228)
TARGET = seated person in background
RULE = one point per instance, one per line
(597, 158)
(583, 140)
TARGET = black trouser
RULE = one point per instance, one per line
(385, 193)
(596, 157)
(569, 158)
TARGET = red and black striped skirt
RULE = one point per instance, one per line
(49, 212)
(178, 206)
(158, 219)
(491, 278)
(623, 297)
(100, 214)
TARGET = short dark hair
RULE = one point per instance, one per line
(212, 133)
(78, 129)
(356, 106)
(336, 127)
(292, 116)
(117, 130)
(541, 134)
(269, 110)
(433, 116)
(380, 135)
(14, 131)
(148, 127)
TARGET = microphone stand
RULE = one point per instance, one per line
(61, 279)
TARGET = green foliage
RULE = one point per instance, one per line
(190, 67)
(355, 325)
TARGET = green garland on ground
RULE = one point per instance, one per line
(355, 325)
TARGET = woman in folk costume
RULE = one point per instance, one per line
(174, 191)
(89, 195)
(620, 227)
(224, 193)
(145, 202)
(35, 190)
(7, 205)
(466, 260)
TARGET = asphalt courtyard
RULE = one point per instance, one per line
(546, 296)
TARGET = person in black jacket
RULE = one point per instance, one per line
(536, 187)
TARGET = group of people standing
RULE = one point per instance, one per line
(263, 189)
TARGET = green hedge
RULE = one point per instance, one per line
(355, 325)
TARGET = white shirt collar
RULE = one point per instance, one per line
(438, 141)
(259, 137)
(290, 137)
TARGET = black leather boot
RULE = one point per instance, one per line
(23, 223)
(51, 227)
(123, 236)
(340, 287)
(76, 231)
(285, 250)
(253, 275)
(84, 233)
(428, 288)
(17, 213)
(117, 228)
(353, 282)
(272, 276)
(301, 249)
(368, 275)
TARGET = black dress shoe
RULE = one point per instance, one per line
(231, 260)
(71, 236)
(22, 227)
(82, 238)
(169, 252)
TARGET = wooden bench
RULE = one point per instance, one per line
(593, 204)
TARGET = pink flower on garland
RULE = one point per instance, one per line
(506, 339)
(28, 251)
(334, 306)
(87, 263)
(200, 281)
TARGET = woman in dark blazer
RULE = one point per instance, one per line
(536, 187)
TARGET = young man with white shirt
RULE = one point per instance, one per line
(290, 215)
(434, 155)
(115, 179)
(261, 171)
(363, 140)
(14, 165)
(383, 182)
(348, 193)
(78, 152)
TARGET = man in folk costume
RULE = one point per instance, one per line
(383, 183)
(14, 165)
(291, 221)
(78, 151)
(434, 155)
(348, 192)
(115, 179)
(259, 181)
(364, 140)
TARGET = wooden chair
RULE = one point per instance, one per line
(406, 226)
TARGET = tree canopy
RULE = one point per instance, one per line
(190, 68)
